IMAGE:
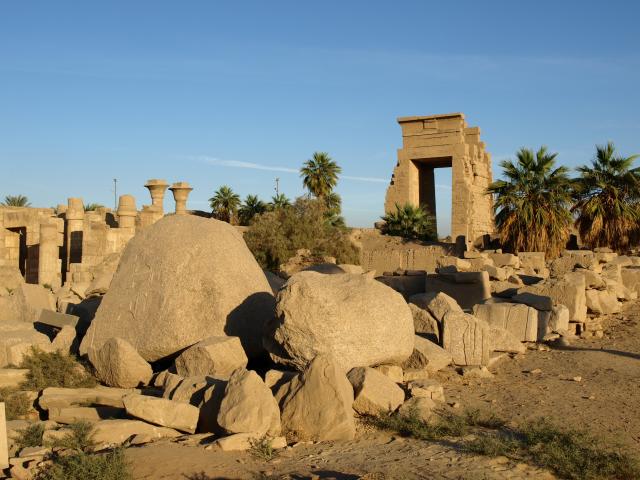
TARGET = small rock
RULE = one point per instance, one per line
(577, 379)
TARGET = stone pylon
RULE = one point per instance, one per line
(181, 191)
(48, 262)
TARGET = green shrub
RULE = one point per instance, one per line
(16, 403)
(275, 236)
(410, 222)
(83, 466)
(30, 436)
(54, 369)
(79, 438)
(262, 448)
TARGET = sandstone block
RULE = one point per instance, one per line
(424, 323)
(216, 356)
(162, 412)
(318, 404)
(602, 301)
(467, 288)
(466, 338)
(437, 303)
(116, 432)
(419, 407)
(394, 372)
(521, 321)
(68, 415)
(54, 397)
(118, 364)
(12, 377)
(427, 388)
(427, 355)
(248, 406)
(354, 319)
(631, 278)
(559, 321)
(375, 393)
(16, 340)
(502, 340)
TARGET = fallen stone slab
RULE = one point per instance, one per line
(375, 393)
(12, 377)
(162, 412)
(428, 388)
(58, 320)
(502, 340)
(418, 407)
(68, 415)
(244, 441)
(521, 321)
(116, 432)
(215, 356)
(467, 288)
(427, 355)
(466, 338)
(16, 340)
(539, 302)
(118, 364)
(437, 303)
(424, 323)
(56, 397)
(394, 372)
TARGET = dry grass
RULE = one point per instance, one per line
(30, 436)
(262, 448)
(55, 369)
(16, 403)
(83, 466)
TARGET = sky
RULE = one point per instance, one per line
(243, 92)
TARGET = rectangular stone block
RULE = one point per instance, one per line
(467, 288)
(58, 320)
(519, 320)
(12, 377)
(466, 338)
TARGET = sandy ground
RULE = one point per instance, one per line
(605, 401)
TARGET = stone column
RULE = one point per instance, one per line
(157, 189)
(181, 191)
(127, 212)
(4, 447)
(48, 253)
(75, 226)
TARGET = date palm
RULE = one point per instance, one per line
(410, 221)
(224, 204)
(320, 174)
(279, 201)
(607, 195)
(532, 203)
(251, 207)
(16, 201)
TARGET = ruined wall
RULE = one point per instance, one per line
(441, 141)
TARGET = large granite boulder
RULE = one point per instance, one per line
(179, 281)
(117, 364)
(356, 320)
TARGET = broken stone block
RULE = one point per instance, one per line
(542, 303)
(449, 261)
(427, 355)
(419, 407)
(467, 288)
(496, 273)
(248, 406)
(16, 340)
(215, 356)
(318, 404)
(505, 260)
(437, 303)
(162, 412)
(602, 302)
(394, 372)
(58, 320)
(118, 364)
(427, 388)
(534, 260)
(374, 392)
(466, 338)
(65, 340)
(55, 397)
(559, 320)
(68, 415)
(519, 320)
(116, 432)
(631, 278)
(502, 340)
(12, 377)
(424, 323)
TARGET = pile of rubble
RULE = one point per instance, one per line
(190, 343)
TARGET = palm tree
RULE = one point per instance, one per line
(16, 201)
(607, 195)
(92, 207)
(251, 207)
(320, 174)
(410, 221)
(279, 201)
(224, 204)
(532, 204)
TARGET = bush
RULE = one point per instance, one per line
(410, 222)
(83, 466)
(262, 448)
(16, 403)
(275, 236)
(54, 369)
(30, 436)
(79, 438)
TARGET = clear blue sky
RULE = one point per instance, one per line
(201, 90)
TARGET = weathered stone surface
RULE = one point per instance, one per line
(559, 321)
(318, 404)
(110, 432)
(184, 278)
(466, 338)
(533, 260)
(427, 355)
(162, 412)
(568, 291)
(450, 261)
(496, 273)
(65, 340)
(424, 323)
(248, 406)
(375, 393)
(505, 260)
(118, 364)
(467, 288)
(519, 320)
(275, 282)
(242, 441)
(54, 397)
(354, 319)
(631, 278)
(58, 320)
(4, 447)
(420, 407)
(502, 340)
(602, 301)
(427, 388)
(276, 378)
(394, 372)
(591, 278)
(68, 415)
(12, 377)
(438, 303)
(16, 340)
(215, 356)
(543, 303)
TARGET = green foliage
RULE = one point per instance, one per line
(92, 207)
(83, 466)
(54, 369)
(607, 196)
(262, 448)
(251, 207)
(16, 201)
(411, 222)
(79, 438)
(412, 426)
(279, 201)
(532, 204)
(275, 236)
(320, 174)
(16, 403)
(224, 204)
(569, 454)
(30, 436)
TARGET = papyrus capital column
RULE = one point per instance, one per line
(157, 189)
(181, 191)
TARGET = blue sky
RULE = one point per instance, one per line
(240, 92)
